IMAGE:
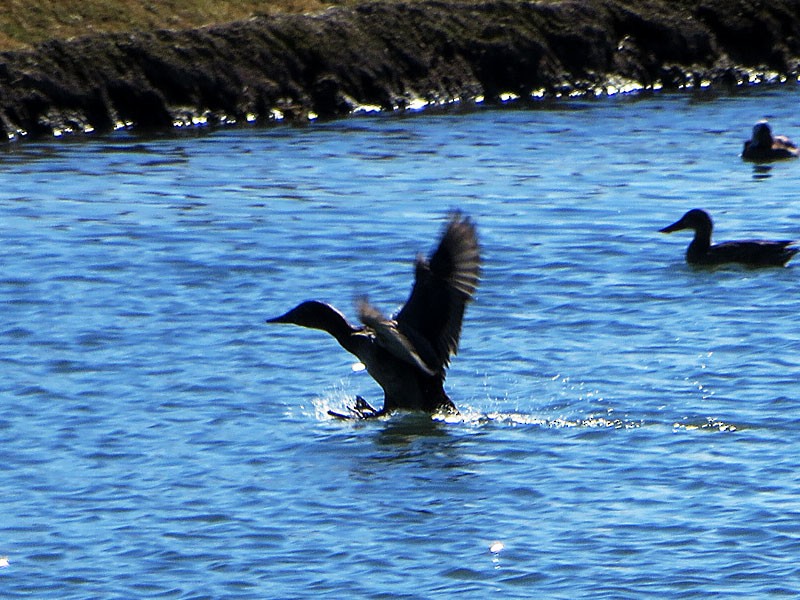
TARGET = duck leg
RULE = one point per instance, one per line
(361, 410)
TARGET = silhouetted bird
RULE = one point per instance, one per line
(763, 146)
(754, 253)
(408, 354)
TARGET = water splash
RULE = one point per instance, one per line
(710, 424)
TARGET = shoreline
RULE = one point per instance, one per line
(391, 56)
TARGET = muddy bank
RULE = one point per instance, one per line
(392, 55)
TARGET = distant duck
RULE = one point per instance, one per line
(763, 146)
(753, 253)
(408, 354)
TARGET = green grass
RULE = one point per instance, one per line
(24, 23)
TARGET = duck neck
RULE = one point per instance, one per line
(700, 244)
(342, 331)
(326, 318)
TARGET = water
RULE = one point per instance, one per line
(630, 426)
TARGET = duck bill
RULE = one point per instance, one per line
(676, 226)
(281, 319)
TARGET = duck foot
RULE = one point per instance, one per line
(361, 410)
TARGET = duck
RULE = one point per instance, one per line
(409, 353)
(753, 253)
(763, 146)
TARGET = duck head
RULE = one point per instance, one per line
(313, 314)
(696, 219)
(762, 135)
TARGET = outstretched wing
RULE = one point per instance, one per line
(443, 285)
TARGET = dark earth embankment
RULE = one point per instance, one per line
(388, 55)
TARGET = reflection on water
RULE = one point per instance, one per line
(627, 423)
(761, 171)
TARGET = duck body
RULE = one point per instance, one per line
(407, 355)
(752, 253)
(764, 147)
(405, 386)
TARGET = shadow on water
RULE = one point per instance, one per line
(403, 428)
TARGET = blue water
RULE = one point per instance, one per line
(630, 426)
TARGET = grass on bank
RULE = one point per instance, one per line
(24, 23)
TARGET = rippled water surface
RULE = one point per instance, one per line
(630, 426)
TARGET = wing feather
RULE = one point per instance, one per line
(390, 338)
(443, 286)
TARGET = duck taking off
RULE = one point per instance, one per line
(753, 253)
(408, 354)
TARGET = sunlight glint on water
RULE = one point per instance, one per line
(629, 426)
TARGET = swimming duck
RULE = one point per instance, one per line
(754, 253)
(407, 355)
(763, 146)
